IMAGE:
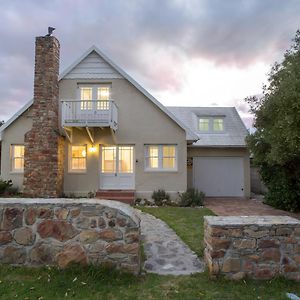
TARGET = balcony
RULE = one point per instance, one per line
(89, 113)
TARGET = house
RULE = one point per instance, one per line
(93, 128)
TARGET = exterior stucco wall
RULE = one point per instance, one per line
(14, 134)
(222, 152)
(140, 122)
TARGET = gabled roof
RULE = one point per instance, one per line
(190, 135)
(235, 130)
(15, 116)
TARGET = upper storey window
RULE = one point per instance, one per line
(211, 124)
(97, 95)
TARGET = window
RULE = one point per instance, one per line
(78, 158)
(17, 157)
(217, 124)
(161, 157)
(86, 95)
(204, 124)
(211, 124)
(103, 96)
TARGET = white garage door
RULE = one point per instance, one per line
(219, 176)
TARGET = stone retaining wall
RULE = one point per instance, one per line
(256, 247)
(61, 232)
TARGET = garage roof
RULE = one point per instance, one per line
(234, 133)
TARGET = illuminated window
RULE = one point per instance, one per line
(86, 96)
(17, 157)
(218, 125)
(161, 157)
(204, 124)
(78, 158)
(103, 96)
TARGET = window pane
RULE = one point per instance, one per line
(18, 164)
(125, 159)
(108, 159)
(18, 157)
(153, 151)
(169, 162)
(87, 95)
(78, 157)
(168, 151)
(203, 124)
(103, 93)
(218, 125)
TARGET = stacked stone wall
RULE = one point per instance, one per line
(64, 232)
(255, 247)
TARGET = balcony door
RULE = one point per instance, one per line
(117, 167)
(93, 101)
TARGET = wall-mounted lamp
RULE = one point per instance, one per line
(93, 149)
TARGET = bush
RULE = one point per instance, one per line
(161, 198)
(192, 197)
(283, 187)
(4, 186)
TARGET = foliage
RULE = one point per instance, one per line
(192, 197)
(275, 144)
(4, 186)
(161, 197)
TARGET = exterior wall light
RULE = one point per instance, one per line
(93, 149)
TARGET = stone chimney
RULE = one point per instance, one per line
(44, 147)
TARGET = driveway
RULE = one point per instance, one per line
(243, 207)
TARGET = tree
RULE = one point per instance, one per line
(275, 145)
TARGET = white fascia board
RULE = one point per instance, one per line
(190, 136)
(15, 116)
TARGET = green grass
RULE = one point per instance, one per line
(96, 283)
(186, 221)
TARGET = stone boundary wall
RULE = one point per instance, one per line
(60, 232)
(259, 247)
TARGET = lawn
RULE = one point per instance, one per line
(186, 221)
(96, 283)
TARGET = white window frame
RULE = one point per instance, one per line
(76, 171)
(84, 105)
(160, 158)
(211, 124)
(12, 158)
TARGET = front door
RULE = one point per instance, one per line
(117, 167)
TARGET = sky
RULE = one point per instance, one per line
(184, 52)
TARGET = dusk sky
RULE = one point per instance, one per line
(184, 52)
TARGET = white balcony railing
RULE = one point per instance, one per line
(89, 113)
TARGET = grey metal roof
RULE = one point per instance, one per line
(234, 129)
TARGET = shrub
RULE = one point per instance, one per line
(161, 198)
(192, 197)
(4, 186)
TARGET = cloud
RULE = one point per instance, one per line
(153, 40)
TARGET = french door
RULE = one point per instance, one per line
(117, 167)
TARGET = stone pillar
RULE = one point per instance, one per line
(43, 167)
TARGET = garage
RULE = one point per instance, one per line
(219, 176)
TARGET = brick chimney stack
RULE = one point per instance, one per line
(44, 147)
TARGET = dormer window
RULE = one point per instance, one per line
(204, 124)
(211, 124)
(218, 125)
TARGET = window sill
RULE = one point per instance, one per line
(160, 171)
(77, 172)
(16, 172)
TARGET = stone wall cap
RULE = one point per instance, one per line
(250, 220)
(125, 208)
